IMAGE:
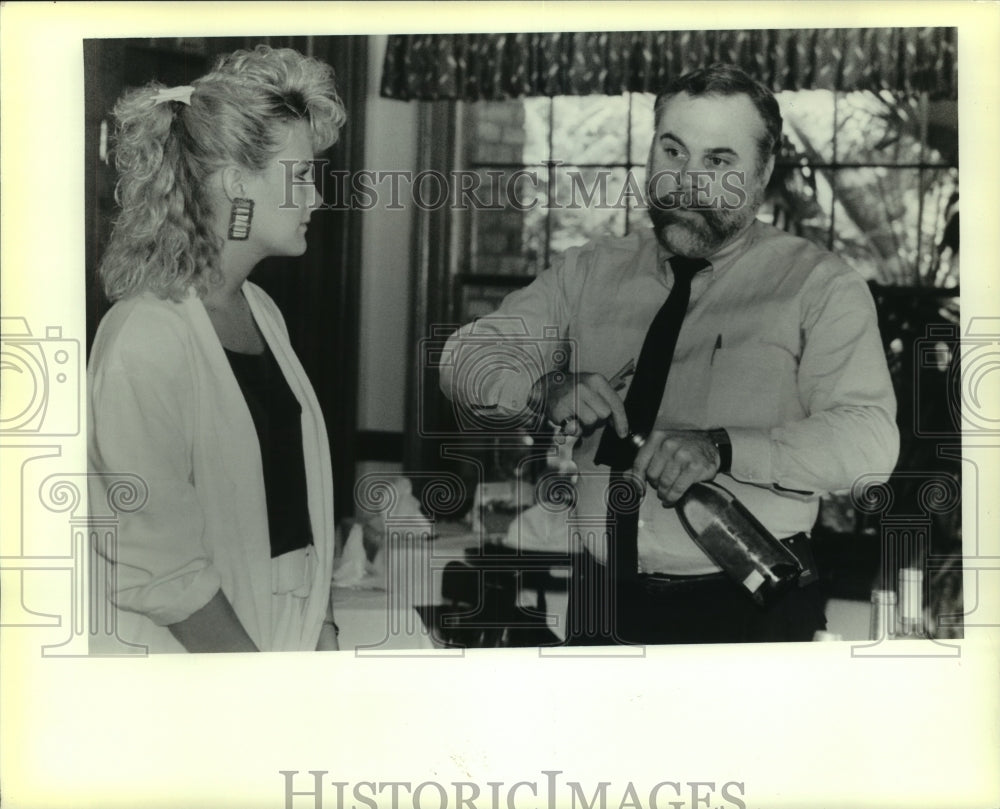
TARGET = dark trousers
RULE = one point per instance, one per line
(701, 609)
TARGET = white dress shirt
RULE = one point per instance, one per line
(780, 346)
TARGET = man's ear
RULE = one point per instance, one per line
(765, 174)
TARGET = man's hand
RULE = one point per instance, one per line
(580, 401)
(671, 460)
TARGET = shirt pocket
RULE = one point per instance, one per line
(751, 385)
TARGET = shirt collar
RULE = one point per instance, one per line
(724, 258)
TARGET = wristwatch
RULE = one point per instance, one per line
(719, 437)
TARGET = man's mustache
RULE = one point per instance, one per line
(682, 200)
(730, 195)
(678, 200)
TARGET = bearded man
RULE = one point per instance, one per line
(758, 364)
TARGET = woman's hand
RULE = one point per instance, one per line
(328, 638)
(213, 628)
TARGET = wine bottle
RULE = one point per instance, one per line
(883, 620)
(726, 530)
(911, 603)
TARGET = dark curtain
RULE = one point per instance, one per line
(471, 67)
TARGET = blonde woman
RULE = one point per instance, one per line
(193, 383)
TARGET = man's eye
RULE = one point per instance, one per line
(716, 162)
(672, 151)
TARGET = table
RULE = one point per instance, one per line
(371, 625)
(417, 593)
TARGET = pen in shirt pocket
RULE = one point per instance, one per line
(715, 348)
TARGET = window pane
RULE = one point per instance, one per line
(641, 126)
(878, 128)
(636, 215)
(535, 239)
(590, 204)
(589, 129)
(495, 131)
(939, 228)
(799, 200)
(941, 144)
(807, 125)
(537, 120)
(508, 234)
(875, 222)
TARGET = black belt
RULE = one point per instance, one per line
(670, 578)
(658, 582)
(797, 544)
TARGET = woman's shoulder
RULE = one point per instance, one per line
(142, 326)
(147, 314)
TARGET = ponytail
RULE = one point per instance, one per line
(167, 145)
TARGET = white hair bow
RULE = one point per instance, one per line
(182, 94)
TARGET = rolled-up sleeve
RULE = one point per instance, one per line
(142, 422)
(846, 391)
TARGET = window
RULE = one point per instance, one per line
(871, 176)
(569, 162)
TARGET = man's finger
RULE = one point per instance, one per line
(688, 476)
(618, 415)
(615, 407)
(672, 489)
(586, 414)
(646, 453)
(569, 426)
(595, 400)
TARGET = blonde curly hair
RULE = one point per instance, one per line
(165, 152)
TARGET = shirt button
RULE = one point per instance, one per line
(642, 523)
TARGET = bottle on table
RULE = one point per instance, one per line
(911, 603)
(883, 620)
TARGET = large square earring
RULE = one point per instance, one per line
(240, 217)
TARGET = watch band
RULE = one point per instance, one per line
(720, 438)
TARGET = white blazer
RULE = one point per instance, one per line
(165, 405)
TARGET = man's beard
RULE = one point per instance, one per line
(700, 232)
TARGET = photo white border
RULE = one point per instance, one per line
(799, 725)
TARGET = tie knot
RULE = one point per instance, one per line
(684, 268)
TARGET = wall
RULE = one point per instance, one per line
(390, 144)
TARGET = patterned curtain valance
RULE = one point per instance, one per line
(499, 66)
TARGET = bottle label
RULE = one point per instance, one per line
(753, 581)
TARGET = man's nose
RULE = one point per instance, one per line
(685, 178)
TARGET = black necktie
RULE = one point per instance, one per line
(642, 403)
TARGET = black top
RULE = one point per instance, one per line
(276, 415)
